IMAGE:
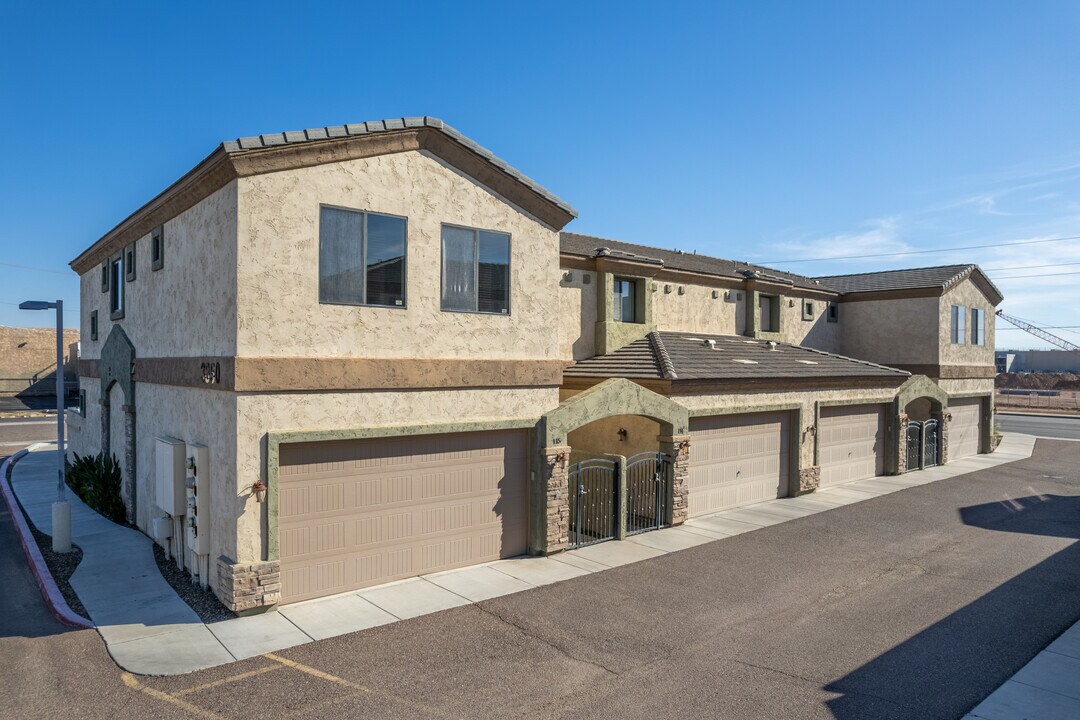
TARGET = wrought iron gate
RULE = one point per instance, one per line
(914, 445)
(931, 456)
(646, 492)
(594, 501)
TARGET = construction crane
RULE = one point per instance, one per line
(1038, 332)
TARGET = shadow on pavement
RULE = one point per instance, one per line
(22, 609)
(955, 663)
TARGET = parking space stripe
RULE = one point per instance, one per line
(134, 684)
(226, 681)
(316, 673)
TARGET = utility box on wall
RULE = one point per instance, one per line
(169, 493)
(198, 500)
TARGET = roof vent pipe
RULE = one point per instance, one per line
(709, 344)
(771, 344)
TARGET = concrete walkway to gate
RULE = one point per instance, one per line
(149, 630)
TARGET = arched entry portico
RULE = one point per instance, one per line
(549, 528)
(920, 400)
(118, 371)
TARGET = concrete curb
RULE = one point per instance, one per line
(54, 599)
(1035, 414)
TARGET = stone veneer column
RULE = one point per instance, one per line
(131, 491)
(105, 423)
(248, 586)
(809, 479)
(677, 447)
(557, 467)
(901, 444)
(943, 418)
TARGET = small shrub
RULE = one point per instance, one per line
(96, 480)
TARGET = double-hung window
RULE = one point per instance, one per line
(957, 322)
(978, 326)
(624, 308)
(361, 258)
(475, 270)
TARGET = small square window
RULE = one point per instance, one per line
(808, 310)
(93, 325)
(624, 307)
(157, 248)
(833, 313)
(129, 262)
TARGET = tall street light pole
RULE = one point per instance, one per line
(61, 511)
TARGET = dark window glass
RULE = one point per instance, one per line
(116, 286)
(476, 270)
(361, 258)
(93, 325)
(624, 301)
(157, 247)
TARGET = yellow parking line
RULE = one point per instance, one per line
(134, 684)
(317, 673)
(226, 681)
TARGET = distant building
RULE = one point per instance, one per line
(1037, 361)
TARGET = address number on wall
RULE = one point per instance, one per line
(211, 373)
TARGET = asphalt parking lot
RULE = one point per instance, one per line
(914, 604)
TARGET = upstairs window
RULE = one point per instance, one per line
(957, 321)
(624, 302)
(129, 263)
(116, 287)
(769, 312)
(833, 313)
(807, 309)
(157, 248)
(475, 270)
(361, 258)
(978, 326)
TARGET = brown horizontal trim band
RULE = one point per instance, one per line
(697, 387)
(307, 374)
(906, 294)
(952, 372)
(626, 266)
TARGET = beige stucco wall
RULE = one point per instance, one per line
(695, 311)
(256, 414)
(577, 315)
(962, 387)
(84, 433)
(967, 294)
(185, 309)
(601, 436)
(891, 332)
(204, 417)
(278, 303)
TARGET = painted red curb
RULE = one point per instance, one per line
(49, 591)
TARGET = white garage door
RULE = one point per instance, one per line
(356, 513)
(851, 443)
(737, 460)
(965, 428)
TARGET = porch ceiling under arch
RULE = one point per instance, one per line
(616, 396)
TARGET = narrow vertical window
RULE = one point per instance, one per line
(475, 270)
(361, 258)
(624, 307)
(105, 276)
(833, 314)
(978, 327)
(93, 325)
(129, 263)
(157, 248)
(116, 288)
(957, 325)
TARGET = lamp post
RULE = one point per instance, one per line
(61, 511)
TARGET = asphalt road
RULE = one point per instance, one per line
(18, 433)
(1040, 425)
(912, 605)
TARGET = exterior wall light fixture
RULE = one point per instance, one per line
(258, 489)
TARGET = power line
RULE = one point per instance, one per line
(36, 269)
(1029, 267)
(66, 310)
(1038, 275)
(919, 252)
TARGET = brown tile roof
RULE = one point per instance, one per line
(588, 245)
(690, 356)
(941, 276)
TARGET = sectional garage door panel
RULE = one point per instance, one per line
(363, 512)
(737, 460)
(851, 443)
(965, 429)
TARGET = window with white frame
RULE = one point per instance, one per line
(475, 270)
(624, 301)
(957, 322)
(978, 326)
(361, 258)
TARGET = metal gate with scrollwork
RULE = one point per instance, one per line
(914, 445)
(646, 492)
(931, 455)
(594, 501)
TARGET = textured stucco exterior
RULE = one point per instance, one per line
(891, 332)
(577, 315)
(967, 294)
(257, 414)
(278, 307)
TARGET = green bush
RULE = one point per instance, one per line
(96, 480)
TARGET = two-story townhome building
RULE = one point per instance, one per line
(334, 358)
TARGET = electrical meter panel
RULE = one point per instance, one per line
(169, 492)
(197, 526)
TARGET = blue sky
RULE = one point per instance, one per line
(758, 131)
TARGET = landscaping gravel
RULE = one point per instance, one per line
(61, 565)
(202, 601)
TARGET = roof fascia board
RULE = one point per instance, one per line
(623, 266)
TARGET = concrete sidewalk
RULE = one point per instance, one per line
(149, 630)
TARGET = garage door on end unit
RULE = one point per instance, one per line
(965, 429)
(737, 460)
(851, 443)
(356, 513)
